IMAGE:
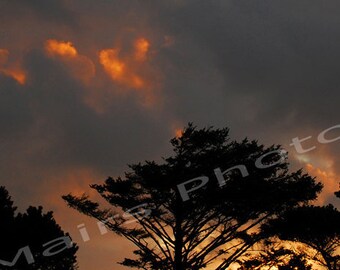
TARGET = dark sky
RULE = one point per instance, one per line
(87, 87)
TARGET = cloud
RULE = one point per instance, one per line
(60, 48)
(55, 129)
(118, 70)
(142, 47)
(131, 71)
(51, 11)
(12, 70)
(80, 66)
(328, 178)
(108, 83)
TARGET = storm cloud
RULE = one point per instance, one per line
(78, 111)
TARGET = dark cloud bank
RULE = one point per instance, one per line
(267, 69)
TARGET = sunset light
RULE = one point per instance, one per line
(141, 47)
(169, 135)
(12, 70)
(16, 74)
(111, 63)
(121, 70)
(60, 48)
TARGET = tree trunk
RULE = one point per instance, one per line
(179, 265)
(328, 260)
(178, 250)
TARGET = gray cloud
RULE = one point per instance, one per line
(266, 69)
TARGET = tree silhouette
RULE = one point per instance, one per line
(220, 221)
(275, 254)
(7, 217)
(315, 226)
(32, 229)
(276, 258)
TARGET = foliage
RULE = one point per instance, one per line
(318, 227)
(217, 224)
(33, 229)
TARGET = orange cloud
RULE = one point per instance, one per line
(17, 74)
(328, 178)
(178, 132)
(112, 65)
(11, 70)
(176, 128)
(321, 164)
(80, 66)
(119, 70)
(131, 70)
(141, 49)
(60, 48)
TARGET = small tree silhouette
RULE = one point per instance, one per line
(218, 223)
(315, 226)
(31, 229)
(275, 258)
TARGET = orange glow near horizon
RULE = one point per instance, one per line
(60, 48)
(321, 164)
(328, 178)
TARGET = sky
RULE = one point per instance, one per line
(87, 87)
